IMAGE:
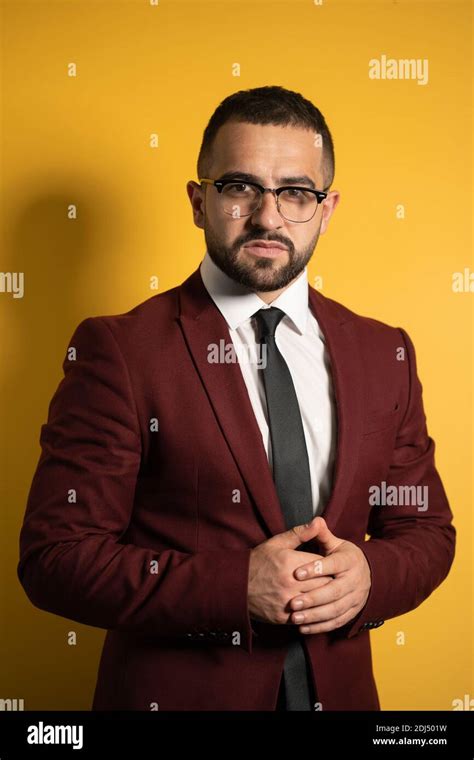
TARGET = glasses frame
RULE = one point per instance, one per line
(219, 184)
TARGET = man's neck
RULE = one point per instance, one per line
(271, 295)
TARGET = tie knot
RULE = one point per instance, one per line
(268, 320)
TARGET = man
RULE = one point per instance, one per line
(214, 458)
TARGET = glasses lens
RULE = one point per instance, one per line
(297, 205)
(239, 199)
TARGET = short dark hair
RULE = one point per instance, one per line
(269, 105)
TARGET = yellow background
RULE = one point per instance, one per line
(163, 69)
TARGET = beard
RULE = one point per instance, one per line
(259, 275)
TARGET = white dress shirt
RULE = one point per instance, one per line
(302, 344)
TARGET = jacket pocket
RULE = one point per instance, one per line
(381, 420)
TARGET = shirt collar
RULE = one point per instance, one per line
(237, 304)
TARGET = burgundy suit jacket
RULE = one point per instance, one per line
(132, 522)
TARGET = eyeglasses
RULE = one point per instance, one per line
(241, 198)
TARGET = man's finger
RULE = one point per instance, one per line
(324, 612)
(329, 625)
(331, 591)
(327, 540)
(296, 536)
(332, 565)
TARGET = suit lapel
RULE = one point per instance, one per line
(338, 329)
(203, 324)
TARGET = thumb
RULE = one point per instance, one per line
(298, 535)
(326, 540)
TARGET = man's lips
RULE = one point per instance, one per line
(265, 244)
(265, 248)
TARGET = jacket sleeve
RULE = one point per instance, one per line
(72, 562)
(410, 550)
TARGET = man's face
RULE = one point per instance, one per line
(269, 153)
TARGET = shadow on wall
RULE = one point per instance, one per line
(55, 254)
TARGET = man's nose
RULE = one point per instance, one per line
(267, 215)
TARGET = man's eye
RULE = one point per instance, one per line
(236, 188)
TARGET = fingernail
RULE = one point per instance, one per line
(298, 604)
(301, 573)
(299, 617)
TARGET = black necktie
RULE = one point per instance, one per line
(291, 475)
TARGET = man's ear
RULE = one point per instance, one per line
(329, 206)
(196, 195)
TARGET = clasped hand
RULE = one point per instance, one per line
(319, 594)
(338, 601)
